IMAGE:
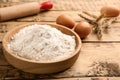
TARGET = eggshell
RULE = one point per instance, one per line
(65, 20)
(83, 29)
(110, 11)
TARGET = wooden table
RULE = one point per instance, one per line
(109, 44)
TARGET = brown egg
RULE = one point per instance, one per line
(65, 20)
(110, 11)
(83, 29)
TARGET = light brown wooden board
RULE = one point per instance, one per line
(90, 78)
(108, 45)
(89, 52)
(82, 78)
(112, 36)
(92, 5)
(51, 16)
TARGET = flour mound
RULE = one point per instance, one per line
(42, 43)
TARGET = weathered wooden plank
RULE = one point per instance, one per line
(112, 36)
(51, 16)
(89, 78)
(90, 53)
(93, 52)
(92, 5)
(78, 78)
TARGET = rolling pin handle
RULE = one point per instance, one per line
(46, 6)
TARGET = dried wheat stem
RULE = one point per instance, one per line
(89, 14)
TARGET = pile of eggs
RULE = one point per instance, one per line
(83, 28)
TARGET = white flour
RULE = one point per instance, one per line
(42, 43)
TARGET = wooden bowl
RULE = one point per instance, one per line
(40, 67)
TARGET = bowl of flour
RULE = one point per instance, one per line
(41, 48)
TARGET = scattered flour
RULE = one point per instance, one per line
(42, 43)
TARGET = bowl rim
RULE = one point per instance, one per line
(42, 62)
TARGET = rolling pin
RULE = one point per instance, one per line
(23, 10)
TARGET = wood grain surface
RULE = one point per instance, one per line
(109, 44)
